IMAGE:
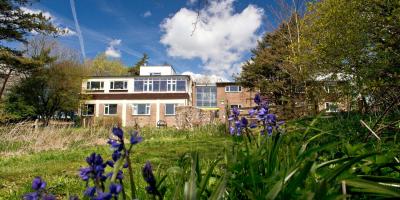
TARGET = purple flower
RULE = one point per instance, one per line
(148, 176)
(38, 184)
(253, 125)
(115, 188)
(116, 155)
(31, 196)
(231, 130)
(271, 118)
(90, 191)
(48, 197)
(243, 122)
(85, 172)
(235, 111)
(115, 144)
(269, 130)
(118, 132)
(252, 112)
(103, 196)
(257, 99)
(135, 138)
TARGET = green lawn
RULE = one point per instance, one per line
(60, 167)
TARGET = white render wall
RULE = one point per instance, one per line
(164, 70)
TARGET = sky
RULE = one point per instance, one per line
(199, 39)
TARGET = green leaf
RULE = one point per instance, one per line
(374, 187)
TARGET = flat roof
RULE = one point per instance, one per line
(143, 76)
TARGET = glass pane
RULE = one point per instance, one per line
(181, 85)
(141, 109)
(119, 85)
(163, 85)
(95, 85)
(169, 109)
(156, 85)
(138, 86)
(113, 109)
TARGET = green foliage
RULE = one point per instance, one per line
(135, 70)
(102, 66)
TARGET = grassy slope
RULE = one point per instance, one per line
(60, 167)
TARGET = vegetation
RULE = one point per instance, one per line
(135, 70)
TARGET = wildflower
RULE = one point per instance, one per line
(116, 155)
(38, 184)
(148, 176)
(231, 130)
(253, 125)
(243, 122)
(135, 138)
(257, 99)
(90, 191)
(252, 112)
(48, 197)
(31, 196)
(115, 189)
(118, 132)
(95, 169)
(103, 196)
(269, 130)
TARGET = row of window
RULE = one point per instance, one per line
(137, 109)
(142, 85)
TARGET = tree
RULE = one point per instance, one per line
(102, 66)
(358, 38)
(135, 70)
(53, 87)
(16, 26)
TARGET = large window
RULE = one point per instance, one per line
(110, 109)
(118, 85)
(88, 110)
(141, 109)
(170, 109)
(95, 85)
(206, 96)
(233, 88)
(159, 84)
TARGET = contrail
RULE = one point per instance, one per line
(78, 28)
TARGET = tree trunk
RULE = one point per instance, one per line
(5, 83)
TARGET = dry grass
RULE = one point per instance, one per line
(23, 138)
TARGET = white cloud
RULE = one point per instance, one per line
(64, 31)
(191, 2)
(220, 38)
(111, 51)
(147, 14)
(203, 78)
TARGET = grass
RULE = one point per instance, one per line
(59, 166)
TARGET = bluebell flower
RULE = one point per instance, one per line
(148, 176)
(257, 99)
(48, 197)
(116, 155)
(271, 118)
(135, 138)
(244, 122)
(90, 192)
(252, 112)
(38, 184)
(235, 111)
(269, 130)
(31, 196)
(115, 145)
(253, 125)
(115, 189)
(103, 196)
(118, 132)
(231, 130)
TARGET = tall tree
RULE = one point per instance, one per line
(16, 26)
(135, 70)
(102, 66)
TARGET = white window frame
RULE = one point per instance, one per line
(90, 83)
(135, 108)
(331, 111)
(85, 109)
(171, 85)
(148, 85)
(112, 85)
(165, 109)
(228, 88)
(107, 106)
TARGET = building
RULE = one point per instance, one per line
(140, 100)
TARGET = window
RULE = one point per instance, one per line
(138, 86)
(170, 109)
(233, 88)
(88, 110)
(148, 85)
(236, 106)
(110, 109)
(155, 74)
(331, 107)
(171, 85)
(95, 85)
(141, 109)
(181, 85)
(118, 85)
(206, 96)
(329, 88)
(163, 85)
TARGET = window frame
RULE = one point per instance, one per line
(89, 83)
(125, 85)
(84, 111)
(147, 107)
(107, 106)
(228, 89)
(239, 106)
(165, 109)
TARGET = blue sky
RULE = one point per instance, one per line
(125, 29)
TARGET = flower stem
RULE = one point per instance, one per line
(133, 187)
